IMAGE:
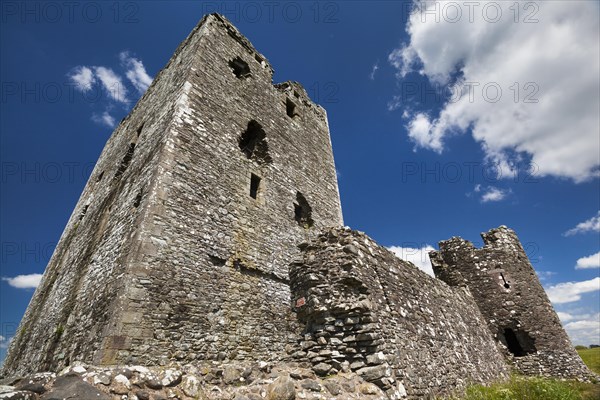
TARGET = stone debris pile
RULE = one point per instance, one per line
(257, 381)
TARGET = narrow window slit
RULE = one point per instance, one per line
(506, 284)
(240, 68)
(83, 211)
(254, 185)
(290, 108)
(139, 130)
(303, 211)
(126, 160)
(100, 176)
(138, 200)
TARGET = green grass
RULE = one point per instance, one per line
(529, 388)
(591, 357)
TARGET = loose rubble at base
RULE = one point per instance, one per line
(252, 381)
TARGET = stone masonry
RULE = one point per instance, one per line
(365, 310)
(179, 246)
(210, 233)
(512, 300)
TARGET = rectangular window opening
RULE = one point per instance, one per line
(254, 186)
(290, 108)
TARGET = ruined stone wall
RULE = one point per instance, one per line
(71, 311)
(167, 255)
(212, 280)
(365, 310)
(512, 300)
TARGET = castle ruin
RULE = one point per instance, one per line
(211, 229)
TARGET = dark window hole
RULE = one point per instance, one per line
(240, 68)
(519, 343)
(290, 108)
(126, 160)
(139, 130)
(138, 200)
(100, 176)
(254, 185)
(217, 261)
(253, 143)
(303, 211)
(83, 211)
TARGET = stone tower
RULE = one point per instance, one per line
(512, 301)
(178, 248)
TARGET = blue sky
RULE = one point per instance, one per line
(444, 123)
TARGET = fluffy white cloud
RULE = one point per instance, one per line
(592, 261)
(564, 316)
(112, 83)
(136, 73)
(522, 89)
(424, 134)
(418, 256)
(584, 330)
(591, 225)
(83, 78)
(24, 281)
(571, 291)
(105, 119)
(493, 194)
(490, 193)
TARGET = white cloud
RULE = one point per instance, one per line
(544, 275)
(104, 119)
(493, 194)
(564, 317)
(24, 281)
(571, 291)
(423, 134)
(83, 78)
(555, 61)
(584, 329)
(112, 83)
(592, 261)
(489, 193)
(136, 73)
(418, 256)
(591, 225)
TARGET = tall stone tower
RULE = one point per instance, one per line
(512, 301)
(179, 246)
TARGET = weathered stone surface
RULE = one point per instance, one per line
(392, 322)
(513, 302)
(179, 245)
(19, 395)
(72, 387)
(282, 389)
(120, 384)
(190, 385)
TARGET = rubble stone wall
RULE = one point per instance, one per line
(512, 300)
(179, 246)
(73, 311)
(365, 310)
